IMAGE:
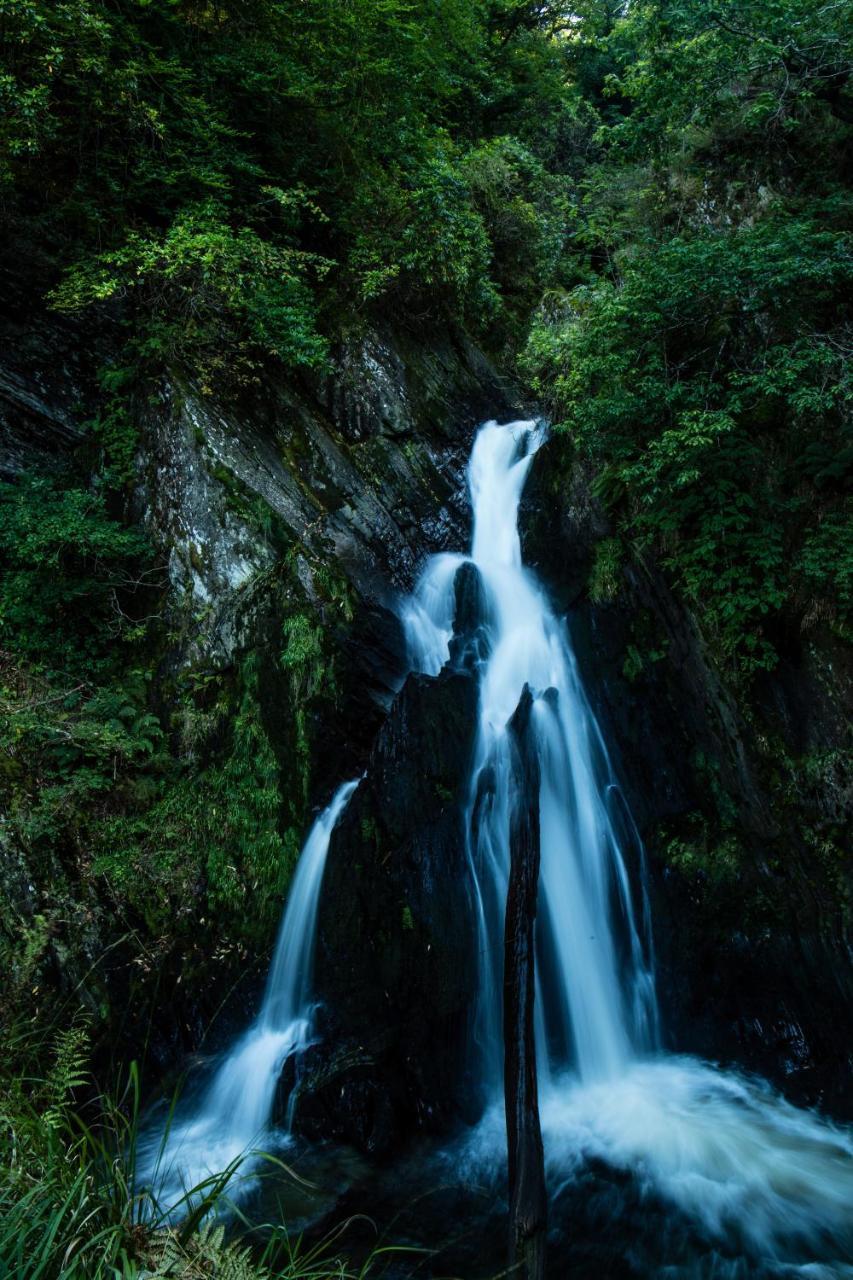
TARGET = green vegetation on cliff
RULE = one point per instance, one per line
(237, 173)
(664, 185)
(220, 189)
(698, 367)
(702, 359)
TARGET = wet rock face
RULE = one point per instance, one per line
(321, 498)
(469, 645)
(753, 969)
(363, 472)
(395, 963)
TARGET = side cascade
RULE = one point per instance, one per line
(767, 1185)
(232, 1116)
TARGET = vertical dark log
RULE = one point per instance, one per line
(527, 1198)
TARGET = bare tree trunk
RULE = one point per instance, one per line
(527, 1198)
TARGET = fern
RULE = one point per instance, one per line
(68, 1071)
(205, 1253)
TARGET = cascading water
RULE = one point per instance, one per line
(233, 1114)
(766, 1190)
(769, 1187)
(596, 992)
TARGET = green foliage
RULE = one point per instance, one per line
(69, 573)
(66, 1207)
(209, 287)
(743, 69)
(213, 824)
(69, 752)
(603, 584)
(303, 653)
(209, 167)
(311, 676)
(68, 1071)
(77, 730)
(525, 210)
(114, 429)
(826, 559)
(700, 362)
(69, 1209)
(23, 944)
(719, 863)
(430, 236)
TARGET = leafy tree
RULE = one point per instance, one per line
(701, 359)
(233, 173)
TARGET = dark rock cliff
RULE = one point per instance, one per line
(315, 502)
(395, 963)
(284, 523)
(742, 796)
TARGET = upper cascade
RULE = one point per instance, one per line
(596, 1002)
(497, 472)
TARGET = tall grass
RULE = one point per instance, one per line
(69, 1208)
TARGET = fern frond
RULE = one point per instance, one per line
(68, 1071)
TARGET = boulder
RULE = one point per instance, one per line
(395, 962)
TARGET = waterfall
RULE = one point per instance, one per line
(767, 1184)
(233, 1113)
(767, 1188)
(596, 992)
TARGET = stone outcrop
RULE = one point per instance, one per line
(395, 968)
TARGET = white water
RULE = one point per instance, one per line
(232, 1116)
(764, 1180)
(599, 1010)
(767, 1185)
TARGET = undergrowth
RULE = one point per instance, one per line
(69, 1204)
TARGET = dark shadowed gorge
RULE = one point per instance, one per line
(426, 639)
